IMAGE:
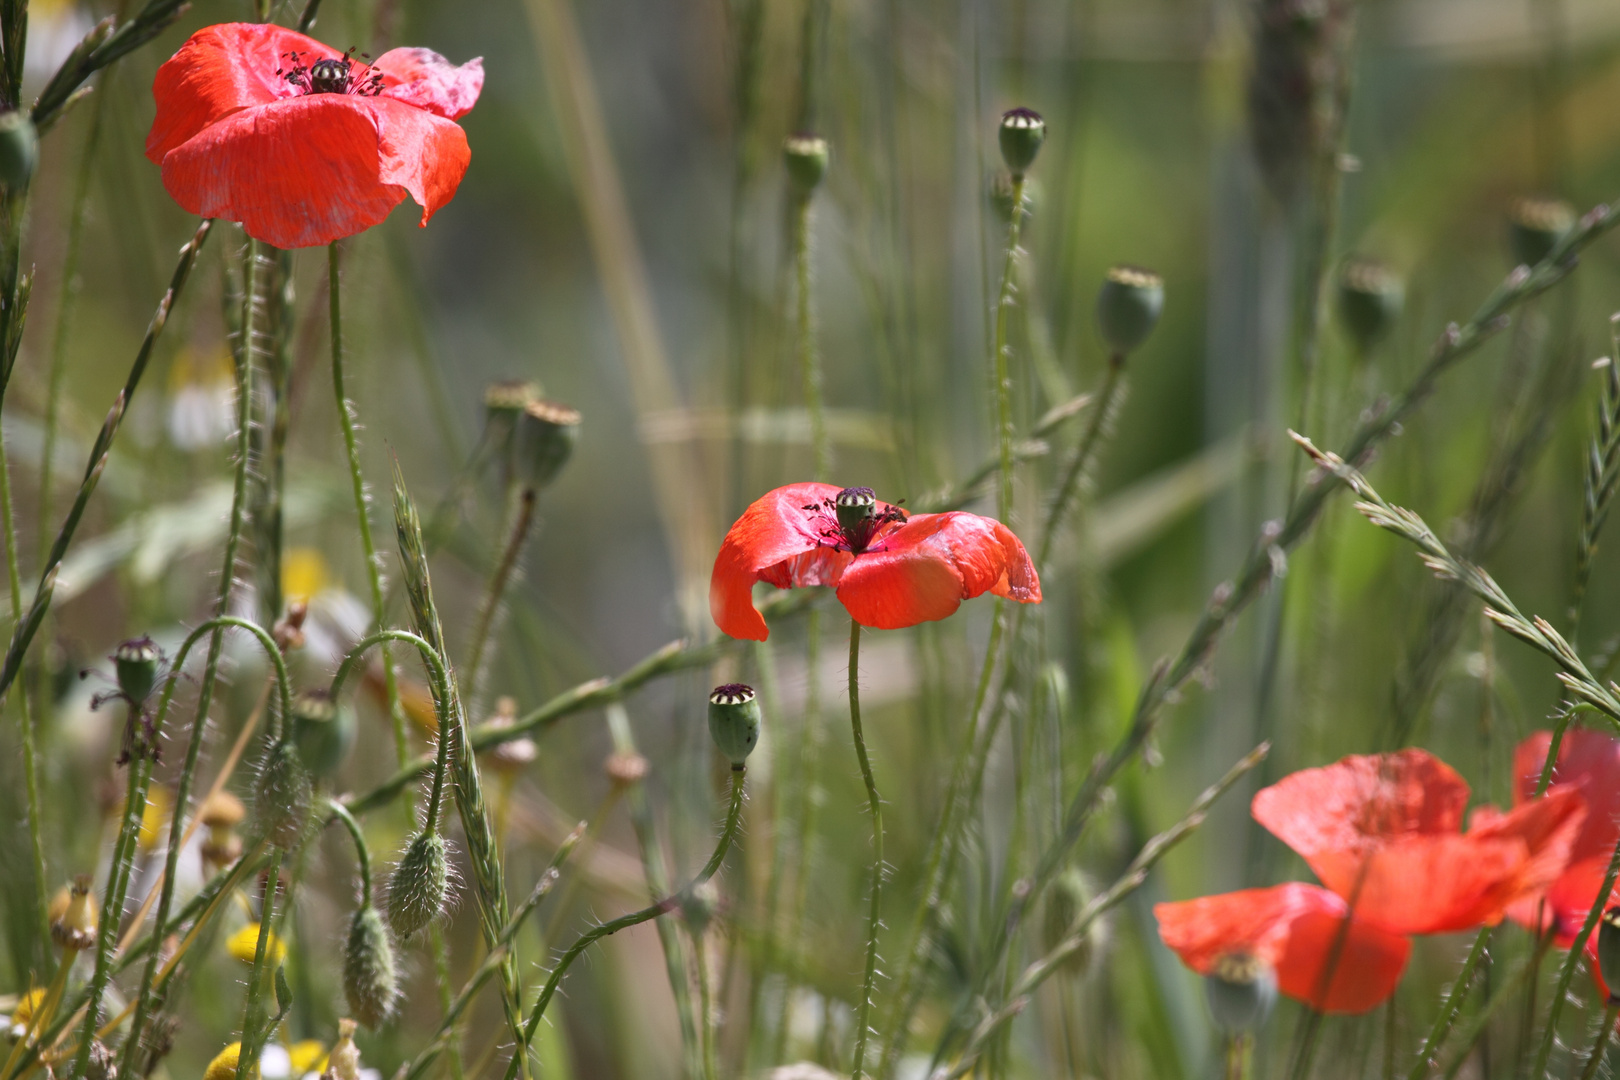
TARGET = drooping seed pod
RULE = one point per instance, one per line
(545, 441)
(420, 887)
(282, 794)
(1067, 897)
(370, 979)
(1241, 989)
(19, 150)
(72, 916)
(734, 720)
(1370, 300)
(1608, 952)
(1535, 224)
(1128, 307)
(323, 729)
(1021, 133)
(136, 662)
(805, 156)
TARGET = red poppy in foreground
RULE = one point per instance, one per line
(303, 144)
(891, 570)
(1298, 931)
(1383, 832)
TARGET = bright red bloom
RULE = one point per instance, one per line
(301, 143)
(1297, 930)
(1383, 833)
(890, 570)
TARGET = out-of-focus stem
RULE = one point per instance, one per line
(1596, 1057)
(999, 362)
(499, 578)
(252, 1037)
(805, 339)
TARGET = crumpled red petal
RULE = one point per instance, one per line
(423, 78)
(1321, 955)
(1588, 761)
(763, 546)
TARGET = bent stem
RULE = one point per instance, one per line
(1102, 418)
(1003, 380)
(362, 853)
(863, 1010)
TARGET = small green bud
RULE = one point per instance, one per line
(420, 886)
(136, 662)
(1241, 991)
(1022, 133)
(1068, 897)
(1370, 301)
(699, 907)
(324, 730)
(370, 980)
(1535, 225)
(1608, 952)
(545, 441)
(282, 796)
(854, 507)
(805, 156)
(19, 150)
(1128, 307)
(734, 721)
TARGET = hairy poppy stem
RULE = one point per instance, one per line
(804, 331)
(1566, 972)
(499, 578)
(1101, 421)
(1003, 380)
(252, 1037)
(362, 853)
(1602, 1043)
(863, 1009)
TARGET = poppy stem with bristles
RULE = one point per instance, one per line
(863, 1009)
(1602, 1043)
(999, 370)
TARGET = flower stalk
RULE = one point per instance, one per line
(874, 915)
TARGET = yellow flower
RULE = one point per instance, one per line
(303, 574)
(155, 817)
(23, 1014)
(245, 943)
(307, 1056)
(223, 1067)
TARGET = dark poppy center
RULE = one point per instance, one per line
(851, 520)
(331, 75)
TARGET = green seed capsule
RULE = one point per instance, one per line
(1608, 951)
(370, 980)
(420, 885)
(1370, 301)
(1241, 991)
(1022, 133)
(1069, 895)
(324, 731)
(545, 441)
(806, 159)
(734, 721)
(854, 507)
(1535, 225)
(282, 796)
(1128, 307)
(19, 150)
(136, 662)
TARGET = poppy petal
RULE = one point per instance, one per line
(1548, 828)
(923, 570)
(1297, 929)
(218, 71)
(425, 154)
(775, 529)
(1426, 885)
(1363, 799)
(1589, 761)
(423, 78)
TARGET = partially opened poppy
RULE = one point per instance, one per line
(301, 143)
(1322, 954)
(1383, 832)
(891, 570)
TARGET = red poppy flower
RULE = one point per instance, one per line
(891, 570)
(1383, 833)
(303, 144)
(1298, 930)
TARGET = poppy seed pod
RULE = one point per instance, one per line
(1068, 897)
(1370, 301)
(1022, 133)
(1608, 952)
(854, 506)
(805, 156)
(420, 886)
(734, 721)
(1535, 225)
(1128, 307)
(19, 150)
(323, 729)
(1241, 991)
(136, 662)
(545, 441)
(282, 795)
(370, 980)
(72, 916)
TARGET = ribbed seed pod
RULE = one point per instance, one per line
(1241, 989)
(324, 729)
(420, 886)
(734, 721)
(370, 980)
(1128, 307)
(282, 796)
(1535, 225)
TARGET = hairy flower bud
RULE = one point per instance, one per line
(420, 886)
(1128, 307)
(136, 662)
(324, 731)
(370, 980)
(1241, 991)
(805, 156)
(734, 721)
(19, 150)
(282, 795)
(1370, 301)
(545, 441)
(1535, 225)
(1022, 132)
(72, 916)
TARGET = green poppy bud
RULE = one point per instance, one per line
(699, 907)
(734, 721)
(370, 980)
(1128, 307)
(1608, 952)
(854, 507)
(19, 150)
(1066, 899)
(1022, 133)
(1535, 225)
(136, 662)
(1241, 991)
(1370, 301)
(420, 886)
(545, 441)
(805, 156)
(324, 731)
(282, 795)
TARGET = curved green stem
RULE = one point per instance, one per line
(1003, 380)
(863, 1010)
(362, 853)
(635, 918)
(1594, 1059)
(1102, 417)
